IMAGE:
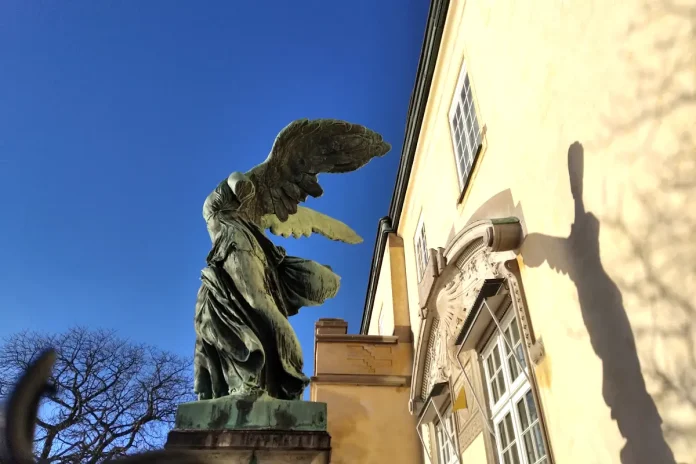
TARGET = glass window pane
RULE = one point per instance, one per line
(529, 448)
(522, 410)
(501, 380)
(529, 398)
(514, 369)
(515, 332)
(473, 145)
(502, 435)
(508, 427)
(540, 447)
(515, 456)
(496, 357)
(520, 355)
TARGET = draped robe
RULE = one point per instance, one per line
(244, 341)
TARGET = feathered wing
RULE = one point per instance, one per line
(307, 221)
(300, 152)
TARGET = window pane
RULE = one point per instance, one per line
(514, 369)
(529, 447)
(447, 453)
(520, 354)
(522, 410)
(496, 357)
(533, 442)
(473, 145)
(508, 427)
(507, 440)
(495, 391)
(502, 435)
(531, 406)
(501, 381)
(515, 332)
(515, 456)
(540, 447)
(465, 130)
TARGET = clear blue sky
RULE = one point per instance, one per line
(118, 118)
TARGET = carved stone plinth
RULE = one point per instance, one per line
(254, 446)
(252, 430)
(251, 412)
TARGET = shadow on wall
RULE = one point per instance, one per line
(652, 119)
(609, 329)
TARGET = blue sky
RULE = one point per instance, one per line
(118, 118)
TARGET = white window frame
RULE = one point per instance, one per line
(515, 390)
(446, 446)
(420, 247)
(472, 139)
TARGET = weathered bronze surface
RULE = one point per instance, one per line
(244, 342)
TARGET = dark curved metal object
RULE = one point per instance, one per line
(22, 411)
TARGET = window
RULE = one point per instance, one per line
(516, 423)
(464, 127)
(421, 246)
(444, 438)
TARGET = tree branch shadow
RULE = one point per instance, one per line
(606, 320)
(652, 121)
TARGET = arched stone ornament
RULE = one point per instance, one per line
(483, 252)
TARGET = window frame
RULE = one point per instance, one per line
(456, 102)
(441, 429)
(420, 243)
(515, 390)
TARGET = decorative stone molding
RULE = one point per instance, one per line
(452, 282)
(511, 272)
(537, 352)
(357, 379)
(435, 266)
(470, 430)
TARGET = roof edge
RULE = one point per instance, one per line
(414, 121)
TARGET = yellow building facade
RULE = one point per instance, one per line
(532, 297)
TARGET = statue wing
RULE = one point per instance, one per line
(300, 152)
(307, 221)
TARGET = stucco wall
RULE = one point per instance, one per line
(383, 304)
(369, 424)
(391, 299)
(476, 452)
(610, 280)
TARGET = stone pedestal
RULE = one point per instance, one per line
(248, 430)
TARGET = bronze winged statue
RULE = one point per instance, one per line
(245, 344)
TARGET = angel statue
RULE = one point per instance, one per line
(245, 344)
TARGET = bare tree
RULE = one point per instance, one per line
(114, 397)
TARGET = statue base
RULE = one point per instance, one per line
(258, 430)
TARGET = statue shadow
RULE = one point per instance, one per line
(606, 320)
